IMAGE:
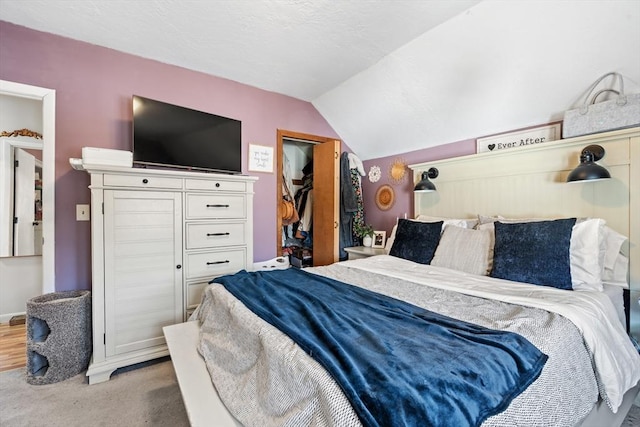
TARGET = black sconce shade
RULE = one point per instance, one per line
(425, 186)
(588, 169)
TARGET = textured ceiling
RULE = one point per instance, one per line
(300, 48)
(390, 76)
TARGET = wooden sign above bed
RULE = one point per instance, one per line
(520, 138)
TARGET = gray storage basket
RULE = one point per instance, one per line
(622, 112)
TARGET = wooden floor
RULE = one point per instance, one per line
(13, 346)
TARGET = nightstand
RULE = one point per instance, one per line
(357, 252)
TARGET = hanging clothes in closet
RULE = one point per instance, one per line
(289, 211)
(297, 230)
(351, 204)
(356, 169)
(304, 203)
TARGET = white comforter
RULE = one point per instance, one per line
(616, 362)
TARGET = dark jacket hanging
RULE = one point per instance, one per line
(348, 207)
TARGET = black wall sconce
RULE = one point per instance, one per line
(426, 186)
(588, 169)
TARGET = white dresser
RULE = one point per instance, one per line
(157, 238)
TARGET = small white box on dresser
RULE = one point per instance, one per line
(107, 157)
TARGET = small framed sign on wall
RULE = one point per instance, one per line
(260, 158)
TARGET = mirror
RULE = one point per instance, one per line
(33, 108)
(21, 195)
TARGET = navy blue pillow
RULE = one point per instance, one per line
(534, 252)
(416, 241)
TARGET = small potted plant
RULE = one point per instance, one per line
(365, 232)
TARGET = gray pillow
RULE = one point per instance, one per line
(465, 250)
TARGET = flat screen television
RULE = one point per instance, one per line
(172, 136)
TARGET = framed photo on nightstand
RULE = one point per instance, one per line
(378, 239)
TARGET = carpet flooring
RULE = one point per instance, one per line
(146, 396)
(143, 395)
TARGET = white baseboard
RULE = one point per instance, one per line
(4, 318)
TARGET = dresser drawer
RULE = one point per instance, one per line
(194, 293)
(213, 185)
(215, 206)
(142, 181)
(215, 263)
(214, 235)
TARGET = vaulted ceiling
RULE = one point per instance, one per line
(390, 76)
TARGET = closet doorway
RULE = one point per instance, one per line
(325, 160)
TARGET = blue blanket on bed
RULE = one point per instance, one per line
(398, 364)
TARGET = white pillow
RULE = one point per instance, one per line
(485, 219)
(464, 223)
(615, 295)
(586, 254)
(465, 250)
(618, 275)
(390, 239)
(616, 263)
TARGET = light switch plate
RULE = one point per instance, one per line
(82, 213)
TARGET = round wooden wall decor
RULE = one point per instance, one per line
(385, 197)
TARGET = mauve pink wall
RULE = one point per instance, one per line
(94, 86)
(385, 220)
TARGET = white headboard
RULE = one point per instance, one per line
(530, 181)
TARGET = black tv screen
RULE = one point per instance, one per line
(173, 136)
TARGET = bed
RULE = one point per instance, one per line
(591, 371)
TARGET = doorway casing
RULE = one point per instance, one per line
(326, 160)
(48, 98)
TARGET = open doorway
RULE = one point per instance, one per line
(31, 108)
(316, 167)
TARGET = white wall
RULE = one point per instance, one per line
(19, 113)
(20, 280)
(299, 154)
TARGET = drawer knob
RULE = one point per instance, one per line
(218, 262)
(217, 185)
(217, 206)
(178, 266)
(145, 181)
(217, 234)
